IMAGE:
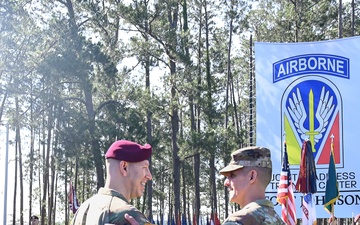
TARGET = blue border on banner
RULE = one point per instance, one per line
(325, 64)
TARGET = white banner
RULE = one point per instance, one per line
(311, 91)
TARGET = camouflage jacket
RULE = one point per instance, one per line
(107, 207)
(260, 212)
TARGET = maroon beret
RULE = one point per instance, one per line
(128, 151)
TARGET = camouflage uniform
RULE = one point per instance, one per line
(260, 212)
(107, 207)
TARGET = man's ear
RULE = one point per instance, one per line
(123, 167)
(253, 175)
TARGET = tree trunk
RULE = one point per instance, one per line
(227, 109)
(19, 158)
(31, 156)
(170, 201)
(149, 183)
(183, 190)
(188, 75)
(148, 118)
(41, 147)
(66, 193)
(15, 183)
(46, 167)
(210, 112)
(340, 20)
(21, 176)
(175, 148)
(2, 105)
(197, 186)
(197, 111)
(296, 22)
(213, 184)
(175, 156)
(55, 200)
(352, 19)
(173, 20)
(95, 147)
(54, 156)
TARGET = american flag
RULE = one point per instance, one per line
(285, 195)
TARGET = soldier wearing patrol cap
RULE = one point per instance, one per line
(127, 170)
(247, 176)
(34, 220)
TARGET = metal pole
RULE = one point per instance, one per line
(251, 94)
(6, 171)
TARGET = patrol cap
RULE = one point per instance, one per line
(128, 151)
(33, 217)
(249, 156)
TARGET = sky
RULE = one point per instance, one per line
(11, 178)
(11, 164)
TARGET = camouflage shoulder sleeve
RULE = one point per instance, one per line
(139, 217)
(117, 215)
(232, 223)
(241, 218)
(256, 214)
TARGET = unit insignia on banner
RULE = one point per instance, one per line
(312, 110)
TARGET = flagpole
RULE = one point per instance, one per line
(332, 153)
(287, 212)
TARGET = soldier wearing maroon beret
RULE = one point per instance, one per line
(127, 171)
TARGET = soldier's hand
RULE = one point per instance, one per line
(357, 218)
(332, 220)
(131, 219)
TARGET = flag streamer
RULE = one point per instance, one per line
(306, 183)
(73, 200)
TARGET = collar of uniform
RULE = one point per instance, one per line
(263, 202)
(111, 192)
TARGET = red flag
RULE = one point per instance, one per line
(73, 201)
(285, 195)
(194, 219)
(215, 219)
